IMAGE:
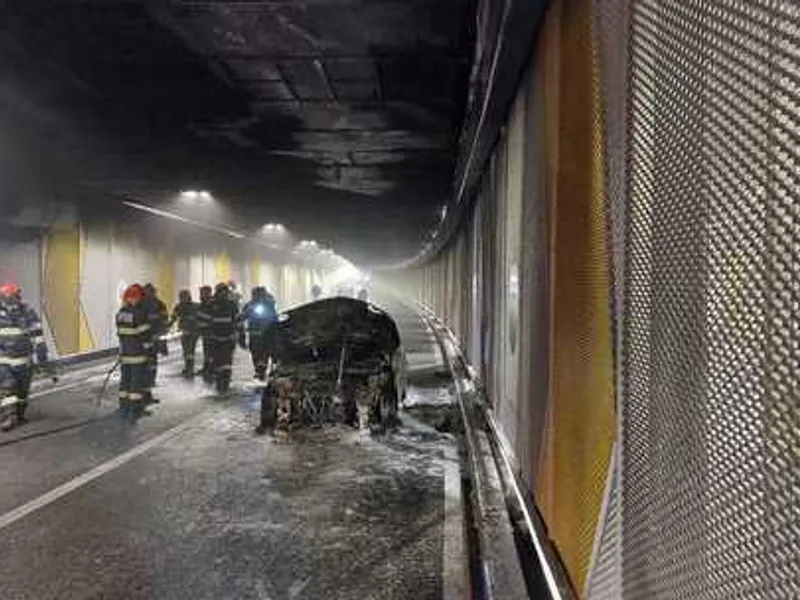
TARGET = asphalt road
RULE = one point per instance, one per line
(188, 503)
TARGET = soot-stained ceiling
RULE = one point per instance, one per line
(338, 118)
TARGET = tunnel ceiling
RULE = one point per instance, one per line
(337, 117)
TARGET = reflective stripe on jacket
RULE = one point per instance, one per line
(16, 345)
(224, 320)
(135, 335)
(188, 317)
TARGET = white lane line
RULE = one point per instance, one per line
(81, 480)
(455, 582)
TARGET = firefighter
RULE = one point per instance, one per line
(225, 326)
(21, 337)
(158, 317)
(258, 315)
(135, 351)
(316, 292)
(37, 333)
(185, 314)
(204, 319)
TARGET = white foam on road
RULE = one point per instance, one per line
(81, 480)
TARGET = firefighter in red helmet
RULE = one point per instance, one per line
(21, 337)
(135, 349)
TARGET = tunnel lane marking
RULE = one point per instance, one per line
(81, 480)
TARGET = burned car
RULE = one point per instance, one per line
(336, 360)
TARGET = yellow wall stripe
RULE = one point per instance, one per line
(61, 286)
(222, 267)
(582, 404)
(165, 277)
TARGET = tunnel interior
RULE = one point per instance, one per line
(340, 119)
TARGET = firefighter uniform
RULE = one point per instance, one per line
(260, 316)
(186, 315)
(158, 317)
(223, 332)
(135, 350)
(204, 320)
(20, 336)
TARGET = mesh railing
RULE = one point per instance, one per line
(704, 197)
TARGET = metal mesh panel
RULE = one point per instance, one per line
(710, 471)
(605, 578)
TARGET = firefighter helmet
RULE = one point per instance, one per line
(9, 290)
(133, 293)
(221, 288)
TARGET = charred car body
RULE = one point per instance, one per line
(335, 360)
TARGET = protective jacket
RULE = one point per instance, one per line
(205, 317)
(157, 315)
(187, 314)
(135, 335)
(258, 315)
(20, 335)
(225, 323)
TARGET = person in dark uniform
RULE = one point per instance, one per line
(158, 317)
(185, 313)
(204, 320)
(258, 315)
(135, 351)
(21, 337)
(225, 326)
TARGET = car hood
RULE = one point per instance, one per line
(326, 325)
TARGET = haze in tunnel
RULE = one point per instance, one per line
(339, 120)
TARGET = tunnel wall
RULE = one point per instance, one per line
(525, 285)
(625, 282)
(74, 271)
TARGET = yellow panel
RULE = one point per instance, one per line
(255, 271)
(165, 282)
(548, 58)
(61, 286)
(86, 340)
(222, 267)
(582, 418)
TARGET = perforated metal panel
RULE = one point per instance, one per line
(605, 577)
(710, 298)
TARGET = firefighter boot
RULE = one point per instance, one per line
(20, 413)
(224, 382)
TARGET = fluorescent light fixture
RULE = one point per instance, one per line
(174, 217)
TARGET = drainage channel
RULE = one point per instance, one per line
(540, 572)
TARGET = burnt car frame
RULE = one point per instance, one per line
(335, 360)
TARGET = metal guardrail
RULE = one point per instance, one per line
(552, 571)
(69, 360)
